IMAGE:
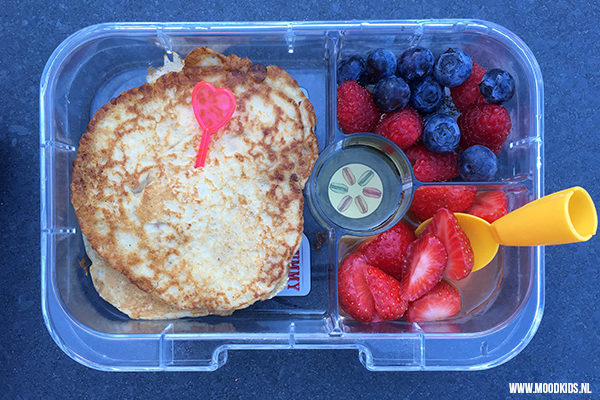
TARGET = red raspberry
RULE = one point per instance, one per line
(432, 167)
(402, 127)
(468, 93)
(485, 124)
(356, 111)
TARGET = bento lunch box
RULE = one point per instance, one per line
(502, 303)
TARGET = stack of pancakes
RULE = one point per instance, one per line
(167, 240)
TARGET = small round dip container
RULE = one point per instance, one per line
(362, 184)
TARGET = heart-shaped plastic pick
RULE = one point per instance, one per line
(213, 109)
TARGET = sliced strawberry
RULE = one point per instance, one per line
(445, 226)
(386, 251)
(353, 290)
(425, 261)
(428, 199)
(489, 205)
(386, 293)
(442, 302)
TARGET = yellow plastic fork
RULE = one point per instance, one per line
(568, 216)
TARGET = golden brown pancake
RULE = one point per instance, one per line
(116, 289)
(213, 239)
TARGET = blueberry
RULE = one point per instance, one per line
(440, 133)
(380, 64)
(391, 94)
(415, 63)
(426, 95)
(477, 163)
(353, 68)
(452, 68)
(497, 86)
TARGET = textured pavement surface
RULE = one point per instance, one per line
(562, 35)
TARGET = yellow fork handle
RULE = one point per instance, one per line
(568, 216)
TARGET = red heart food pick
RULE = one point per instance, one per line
(213, 109)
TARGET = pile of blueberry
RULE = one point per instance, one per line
(418, 79)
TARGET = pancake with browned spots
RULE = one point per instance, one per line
(213, 239)
(116, 289)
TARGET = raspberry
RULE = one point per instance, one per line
(402, 127)
(486, 124)
(431, 167)
(356, 111)
(468, 93)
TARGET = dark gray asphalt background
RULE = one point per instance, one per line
(563, 36)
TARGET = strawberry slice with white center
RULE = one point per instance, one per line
(442, 302)
(445, 226)
(386, 293)
(353, 290)
(424, 264)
